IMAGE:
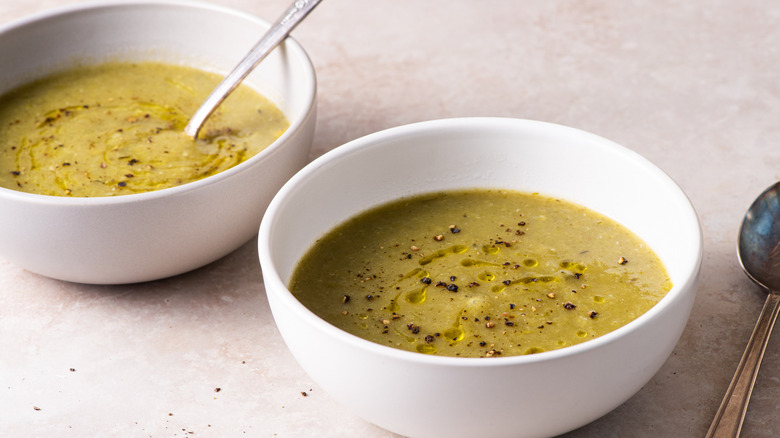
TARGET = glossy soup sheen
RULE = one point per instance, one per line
(479, 273)
(117, 128)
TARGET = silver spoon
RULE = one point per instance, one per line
(759, 253)
(294, 14)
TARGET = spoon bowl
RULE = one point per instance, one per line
(759, 254)
(759, 240)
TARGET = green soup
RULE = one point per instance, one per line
(479, 273)
(117, 128)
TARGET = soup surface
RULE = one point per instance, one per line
(117, 128)
(479, 273)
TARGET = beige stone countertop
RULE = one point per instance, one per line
(693, 86)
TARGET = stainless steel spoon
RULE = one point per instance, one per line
(296, 12)
(759, 253)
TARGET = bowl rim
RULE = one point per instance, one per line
(376, 139)
(290, 46)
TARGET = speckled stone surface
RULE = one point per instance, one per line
(693, 86)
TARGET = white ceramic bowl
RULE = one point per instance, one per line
(157, 234)
(523, 396)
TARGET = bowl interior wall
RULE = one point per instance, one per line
(197, 35)
(520, 155)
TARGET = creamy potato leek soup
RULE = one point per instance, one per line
(117, 128)
(479, 273)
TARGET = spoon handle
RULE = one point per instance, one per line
(296, 12)
(728, 419)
